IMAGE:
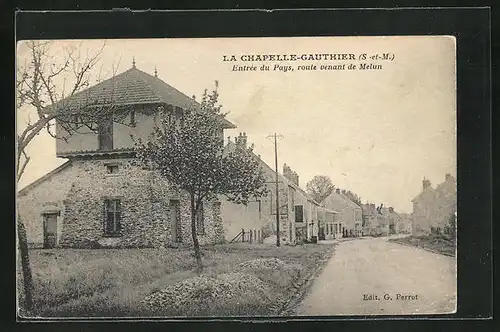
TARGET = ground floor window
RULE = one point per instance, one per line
(112, 217)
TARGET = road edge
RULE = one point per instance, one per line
(289, 307)
(425, 249)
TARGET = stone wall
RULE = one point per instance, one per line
(46, 196)
(145, 206)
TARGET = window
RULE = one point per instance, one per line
(200, 220)
(75, 121)
(112, 217)
(105, 133)
(112, 169)
(179, 117)
(299, 213)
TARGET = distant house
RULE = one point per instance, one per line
(301, 217)
(372, 224)
(393, 219)
(433, 208)
(349, 213)
(404, 224)
(100, 195)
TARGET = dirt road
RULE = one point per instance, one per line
(374, 277)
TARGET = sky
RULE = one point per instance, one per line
(377, 133)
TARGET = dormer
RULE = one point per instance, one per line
(102, 119)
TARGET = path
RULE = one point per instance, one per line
(365, 276)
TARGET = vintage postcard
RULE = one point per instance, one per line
(236, 177)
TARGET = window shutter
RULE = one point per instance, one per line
(105, 216)
(118, 216)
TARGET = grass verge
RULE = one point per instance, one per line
(113, 282)
(435, 243)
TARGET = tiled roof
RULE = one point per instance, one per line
(131, 87)
(343, 198)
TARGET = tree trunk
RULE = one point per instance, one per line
(196, 245)
(26, 268)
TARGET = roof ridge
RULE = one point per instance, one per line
(153, 89)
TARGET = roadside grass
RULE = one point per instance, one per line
(112, 282)
(437, 243)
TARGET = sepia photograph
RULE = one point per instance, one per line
(236, 177)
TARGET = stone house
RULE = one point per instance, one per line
(370, 224)
(299, 219)
(433, 208)
(349, 213)
(380, 220)
(101, 195)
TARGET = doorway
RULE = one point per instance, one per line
(49, 230)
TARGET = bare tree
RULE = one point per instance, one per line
(51, 87)
(320, 187)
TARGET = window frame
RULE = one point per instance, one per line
(110, 167)
(112, 205)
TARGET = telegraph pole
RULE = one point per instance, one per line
(275, 136)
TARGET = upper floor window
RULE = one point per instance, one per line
(75, 121)
(112, 169)
(105, 132)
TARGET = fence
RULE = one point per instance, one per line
(249, 236)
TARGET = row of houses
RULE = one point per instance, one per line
(99, 195)
(434, 208)
(383, 221)
(301, 217)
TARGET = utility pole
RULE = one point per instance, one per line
(275, 136)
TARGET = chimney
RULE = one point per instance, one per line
(241, 140)
(447, 177)
(391, 209)
(244, 140)
(290, 175)
(337, 190)
(426, 184)
(285, 170)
